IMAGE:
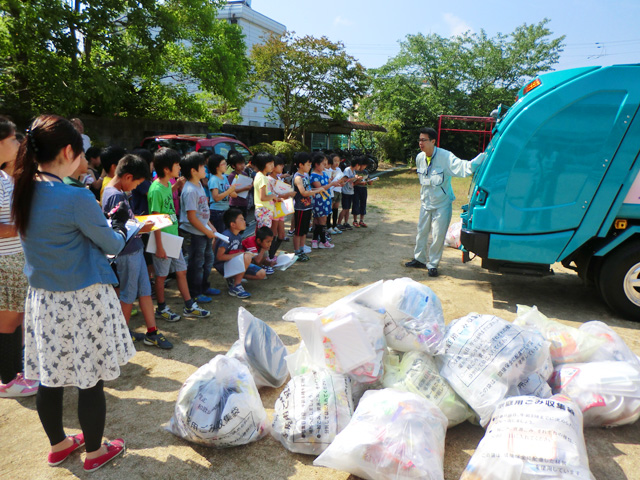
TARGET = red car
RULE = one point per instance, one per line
(220, 143)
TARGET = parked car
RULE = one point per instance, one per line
(220, 143)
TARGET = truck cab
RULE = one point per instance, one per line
(561, 183)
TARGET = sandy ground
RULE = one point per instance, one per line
(142, 399)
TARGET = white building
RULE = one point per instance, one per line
(255, 27)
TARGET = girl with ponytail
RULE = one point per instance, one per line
(75, 333)
(13, 289)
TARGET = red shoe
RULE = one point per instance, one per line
(56, 458)
(114, 448)
(363, 225)
(356, 224)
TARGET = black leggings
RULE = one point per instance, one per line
(92, 411)
(10, 355)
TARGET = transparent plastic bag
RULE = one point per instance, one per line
(613, 347)
(414, 319)
(568, 344)
(418, 373)
(219, 406)
(452, 238)
(392, 435)
(608, 393)
(311, 410)
(486, 359)
(260, 348)
(532, 439)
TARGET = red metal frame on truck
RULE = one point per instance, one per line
(485, 134)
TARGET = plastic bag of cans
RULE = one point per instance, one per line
(418, 373)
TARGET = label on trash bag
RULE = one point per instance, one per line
(311, 410)
(530, 437)
(485, 359)
(491, 338)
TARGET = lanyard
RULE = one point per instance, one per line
(51, 175)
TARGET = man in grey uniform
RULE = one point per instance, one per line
(435, 167)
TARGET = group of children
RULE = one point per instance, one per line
(202, 201)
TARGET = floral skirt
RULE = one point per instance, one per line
(13, 286)
(75, 338)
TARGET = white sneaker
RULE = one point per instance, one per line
(306, 249)
(326, 244)
(314, 244)
(19, 387)
(336, 231)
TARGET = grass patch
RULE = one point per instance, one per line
(403, 188)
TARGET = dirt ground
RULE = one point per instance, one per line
(143, 398)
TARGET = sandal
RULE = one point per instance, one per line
(356, 224)
(56, 458)
(363, 225)
(114, 448)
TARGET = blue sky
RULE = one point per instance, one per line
(602, 32)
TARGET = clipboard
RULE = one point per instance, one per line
(242, 181)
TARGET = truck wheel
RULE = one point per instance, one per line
(619, 280)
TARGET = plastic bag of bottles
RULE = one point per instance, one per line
(418, 373)
(219, 406)
(260, 348)
(392, 435)
(608, 393)
(486, 359)
(311, 410)
(568, 344)
(531, 438)
(413, 316)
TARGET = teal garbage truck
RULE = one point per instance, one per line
(561, 183)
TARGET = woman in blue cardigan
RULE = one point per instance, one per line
(75, 333)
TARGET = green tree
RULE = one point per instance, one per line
(120, 57)
(305, 78)
(464, 75)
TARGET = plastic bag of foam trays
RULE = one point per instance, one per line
(414, 318)
(532, 439)
(418, 373)
(392, 435)
(311, 410)
(486, 359)
(260, 348)
(219, 406)
(608, 393)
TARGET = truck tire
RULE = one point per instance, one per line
(619, 280)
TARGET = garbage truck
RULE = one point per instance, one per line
(561, 183)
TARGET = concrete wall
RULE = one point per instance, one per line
(129, 132)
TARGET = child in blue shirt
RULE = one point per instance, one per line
(224, 252)
(220, 190)
(132, 269)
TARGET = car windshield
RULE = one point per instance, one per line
(223, 148)
(180, 145)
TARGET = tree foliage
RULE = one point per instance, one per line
(120, 57)
(464, 75)
(306, 78)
